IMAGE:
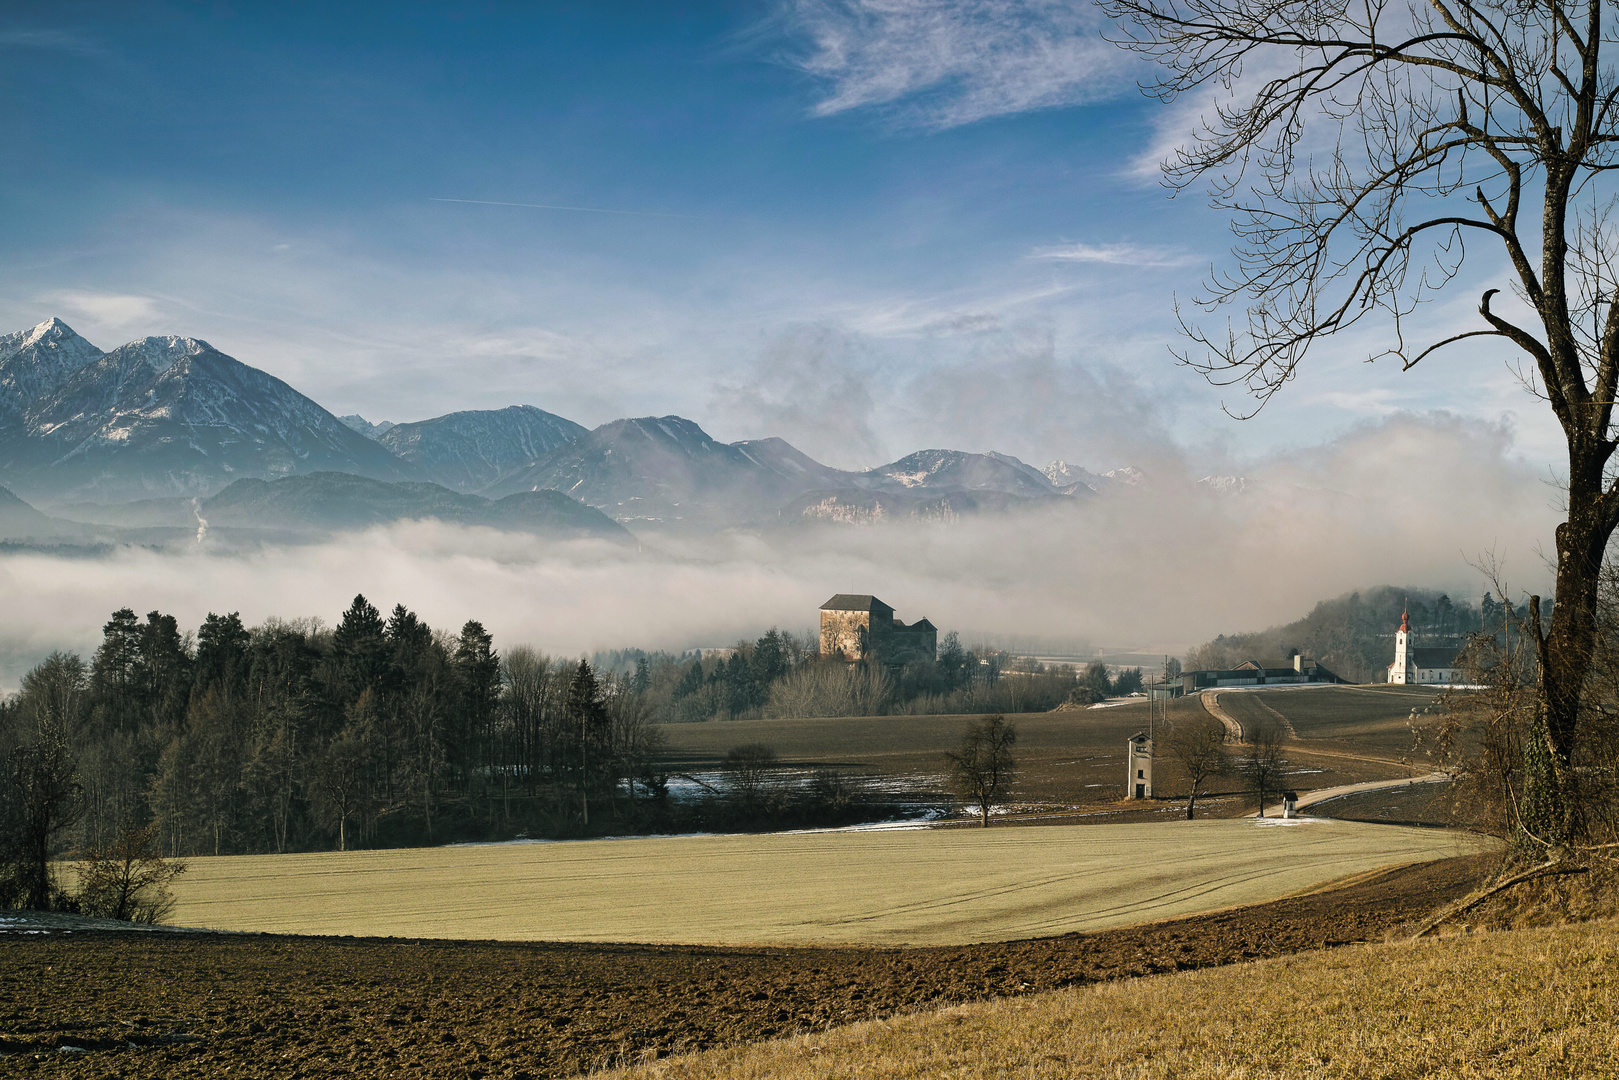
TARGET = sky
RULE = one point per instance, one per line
(866, 226)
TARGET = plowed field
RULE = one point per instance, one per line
(155, 1004)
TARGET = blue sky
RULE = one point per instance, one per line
(866, 226)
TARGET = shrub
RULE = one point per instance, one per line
(128, 879)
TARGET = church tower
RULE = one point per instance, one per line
(1401, 670)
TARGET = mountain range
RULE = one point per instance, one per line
(132, 436)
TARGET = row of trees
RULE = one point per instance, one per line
(1353, 634)
(781, 675)
(289, 736)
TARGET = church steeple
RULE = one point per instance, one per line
(1402, 671)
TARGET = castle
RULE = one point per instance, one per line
(1413, 665)
(859, 627)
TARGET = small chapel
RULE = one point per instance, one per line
(1413, 665)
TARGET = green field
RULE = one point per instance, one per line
(919, 887)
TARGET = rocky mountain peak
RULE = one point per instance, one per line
(37, 361)
(358, 423)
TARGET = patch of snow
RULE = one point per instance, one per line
(1226, 485)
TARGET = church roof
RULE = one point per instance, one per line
(855, 602)
(1434, 658)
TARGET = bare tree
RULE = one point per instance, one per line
(1359, 148)
(748, 769)
(1261, 761)
(983, 767)
(128, 879)
(1198, 744)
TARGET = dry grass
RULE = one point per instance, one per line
(925, 887)
(1527, 1003)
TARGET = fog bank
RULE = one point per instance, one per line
(1165, 565)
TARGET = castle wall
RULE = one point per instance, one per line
(907, 646)
(845, 634)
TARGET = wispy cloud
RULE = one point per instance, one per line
(554, 206)
(112, 310)
(1115, 255)
(51, 41)
(944, 63)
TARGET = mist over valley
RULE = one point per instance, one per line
(194, 483)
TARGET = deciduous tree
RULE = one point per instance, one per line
(982, 768)
(1198, 745)
(1364, 151)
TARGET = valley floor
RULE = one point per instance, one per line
(172, 1004)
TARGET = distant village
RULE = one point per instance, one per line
(860, 627)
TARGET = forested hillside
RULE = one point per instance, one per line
(1353, 635)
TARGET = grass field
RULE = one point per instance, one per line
(1531, 1003)
(920, 887)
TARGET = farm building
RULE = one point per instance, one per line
(857, 627)
(1414, 665)
(1249, 673)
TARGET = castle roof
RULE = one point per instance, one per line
(855, 602)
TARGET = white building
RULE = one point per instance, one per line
(1413, 665)
(1139, 759)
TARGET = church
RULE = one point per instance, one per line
(1413, 665)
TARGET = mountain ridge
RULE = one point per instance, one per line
(169, 417)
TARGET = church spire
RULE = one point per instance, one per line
(1405, 619)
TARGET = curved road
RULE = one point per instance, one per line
(1311, 798)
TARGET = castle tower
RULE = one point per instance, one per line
(1402, 671)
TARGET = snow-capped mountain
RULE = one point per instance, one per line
(174, 416)
(1226, 485)
(356, 422)
(918, 505)
(471, 450)
(168, 419)
(1070, 479)
(667, 470)
(957, 470)
(35, 362)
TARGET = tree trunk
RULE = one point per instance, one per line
(1549, 804)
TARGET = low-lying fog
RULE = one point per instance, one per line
(1159, 568)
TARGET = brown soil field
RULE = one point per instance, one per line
(92, 1003)
(1074, 759)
